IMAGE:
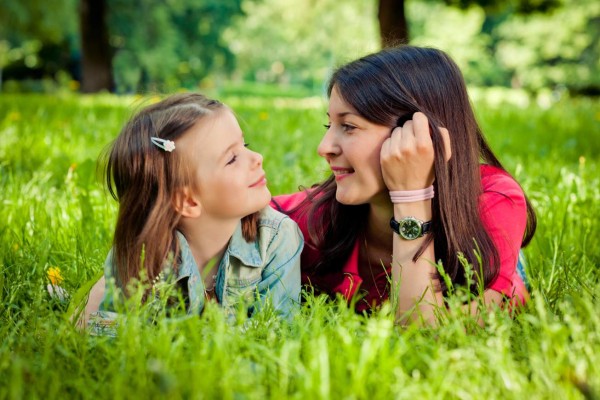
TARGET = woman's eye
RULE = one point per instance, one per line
(348, 128)
(327, 126)
(232, 160)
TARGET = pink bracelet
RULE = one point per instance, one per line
(408, 196)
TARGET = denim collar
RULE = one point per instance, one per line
(247, 253)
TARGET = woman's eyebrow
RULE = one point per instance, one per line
(343, 114)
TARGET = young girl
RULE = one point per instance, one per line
(413, 182)
(190, 191)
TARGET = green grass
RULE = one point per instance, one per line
(54, 213)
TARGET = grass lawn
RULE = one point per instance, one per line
(57, 217)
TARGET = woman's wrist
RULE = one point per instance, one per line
(418, 209)
(410, 196)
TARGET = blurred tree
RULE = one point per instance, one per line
(276, 43)
(96, 54)
(28, 26)
(164, 45)
(393, 25)
(539, 56)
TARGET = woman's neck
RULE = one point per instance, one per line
(208, 238)
(378, 232)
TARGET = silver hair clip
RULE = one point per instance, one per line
(166, 145)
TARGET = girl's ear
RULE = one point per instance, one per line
(187, 203)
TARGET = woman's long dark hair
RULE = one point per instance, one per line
(145, 180)
(382, 87)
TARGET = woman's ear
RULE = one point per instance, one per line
(187, 203)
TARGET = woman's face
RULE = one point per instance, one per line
(231, 179)
(352, 147)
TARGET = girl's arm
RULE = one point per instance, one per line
(93, 303)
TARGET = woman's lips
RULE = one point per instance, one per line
(341, 173)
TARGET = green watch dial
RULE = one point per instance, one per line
(410, 228)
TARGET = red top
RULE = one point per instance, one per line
(503, 211)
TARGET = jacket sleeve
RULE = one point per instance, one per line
(280, 284)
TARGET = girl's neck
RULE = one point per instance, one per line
(208, 238)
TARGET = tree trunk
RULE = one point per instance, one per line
(393, 27)
(96, 57)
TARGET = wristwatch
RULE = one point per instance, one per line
(410, 228)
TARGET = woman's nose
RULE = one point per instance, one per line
(328, 147)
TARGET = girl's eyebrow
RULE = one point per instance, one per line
(229, 148)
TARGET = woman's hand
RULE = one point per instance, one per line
(407, 155)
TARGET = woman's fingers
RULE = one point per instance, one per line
(446, 138)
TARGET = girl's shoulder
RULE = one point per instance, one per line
(275, 226)
(277, 233)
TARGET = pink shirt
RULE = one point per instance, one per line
(504, 214)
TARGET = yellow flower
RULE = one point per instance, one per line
(14, 116)
(263, 116)
(54, 275)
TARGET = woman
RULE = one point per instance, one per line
(413, 182)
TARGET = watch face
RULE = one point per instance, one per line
(410, 228)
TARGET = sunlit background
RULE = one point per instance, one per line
(541, 48)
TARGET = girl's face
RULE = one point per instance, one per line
(352, 147)
(231, 180)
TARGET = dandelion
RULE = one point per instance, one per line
(14, 116)
(54, 275)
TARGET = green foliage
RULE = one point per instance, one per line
(167, 45)
(540, 55)
(536, 45)
(56, 214)
(275, 42)
(50, 22)
(557, 50)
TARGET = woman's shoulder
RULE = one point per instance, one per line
(287, 202)
(496, 181)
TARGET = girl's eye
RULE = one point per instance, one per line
(232, 160)
(327, 126)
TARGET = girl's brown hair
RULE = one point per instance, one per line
(383, 87)
(146, 179)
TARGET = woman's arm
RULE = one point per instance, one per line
(407, 164)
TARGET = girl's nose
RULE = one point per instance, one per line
(328, 147)
(257, 158)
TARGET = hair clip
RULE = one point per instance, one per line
(166, 145)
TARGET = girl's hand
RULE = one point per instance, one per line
(407, 155)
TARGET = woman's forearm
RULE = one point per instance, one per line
(415, 282)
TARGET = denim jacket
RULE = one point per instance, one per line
(248, 272)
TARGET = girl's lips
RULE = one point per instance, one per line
(262, 181)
